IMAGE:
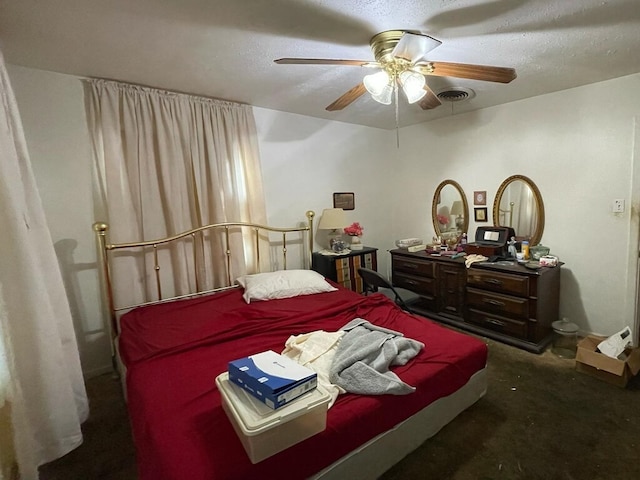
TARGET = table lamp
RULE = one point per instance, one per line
(334, 220)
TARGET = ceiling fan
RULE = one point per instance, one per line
(401, 64)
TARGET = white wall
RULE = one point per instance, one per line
(578, 146)
(305, 160)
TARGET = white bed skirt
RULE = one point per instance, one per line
(382, 452)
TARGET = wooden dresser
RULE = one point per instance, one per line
(509, 303)
(343, 269)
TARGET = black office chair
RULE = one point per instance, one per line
(375, 282)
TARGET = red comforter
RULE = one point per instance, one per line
(174, 351)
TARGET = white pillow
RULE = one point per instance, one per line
(282, 284)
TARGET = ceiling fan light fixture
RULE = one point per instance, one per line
(379, 86)
(412, 84)
(385, 96)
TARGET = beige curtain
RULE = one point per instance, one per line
(166, 163)
(42, 393)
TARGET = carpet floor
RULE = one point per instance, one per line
(540, 419)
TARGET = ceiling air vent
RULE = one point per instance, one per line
(456, 94)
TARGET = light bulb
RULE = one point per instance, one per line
(412, 85)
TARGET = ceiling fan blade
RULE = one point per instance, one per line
(348, 98)
(325, 61)
(430, 100)
(465, 70)
(413, 46)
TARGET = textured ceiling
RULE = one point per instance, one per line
(225, 49)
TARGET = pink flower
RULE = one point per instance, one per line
(354, 230)
(443, 219)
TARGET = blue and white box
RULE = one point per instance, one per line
(272, 378)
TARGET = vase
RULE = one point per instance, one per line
(356, 244)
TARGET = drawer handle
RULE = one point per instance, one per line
(493, 281)
(495, 303)
(494, 322)
(411, 282)
(410, 265)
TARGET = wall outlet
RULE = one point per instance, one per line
(618, 206)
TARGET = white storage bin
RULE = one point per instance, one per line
(264, 431)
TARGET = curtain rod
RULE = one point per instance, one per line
(177, 92)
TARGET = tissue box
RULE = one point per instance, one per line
(548, 261)
(612, 370)
(272, 378)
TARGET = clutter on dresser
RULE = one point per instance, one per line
(548, 261)
(511, 249)
(408, 242)
(490, 241)
(411, 244)
(538, 251)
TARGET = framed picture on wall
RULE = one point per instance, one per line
(480, 198)
(344, 200)
(480, 214)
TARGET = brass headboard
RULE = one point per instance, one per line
(105, 249)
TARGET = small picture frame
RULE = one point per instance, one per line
(480, 198)
(480, 214)
(344, 200)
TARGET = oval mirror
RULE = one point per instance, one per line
(449, 210)
(518, 204)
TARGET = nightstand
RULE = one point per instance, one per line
(343, 269)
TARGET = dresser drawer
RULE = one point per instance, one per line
(497, 323)
(414, 266)
(498, 282)
(498, 304)
(421, 285)
(343, 272)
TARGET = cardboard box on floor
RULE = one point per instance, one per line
(612, 370)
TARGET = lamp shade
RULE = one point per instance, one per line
(379, 86)
(412, 85)
(456, 208)
(332, 219)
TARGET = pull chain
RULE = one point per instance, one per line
(395, 91)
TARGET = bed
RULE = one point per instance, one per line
(172, 352)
